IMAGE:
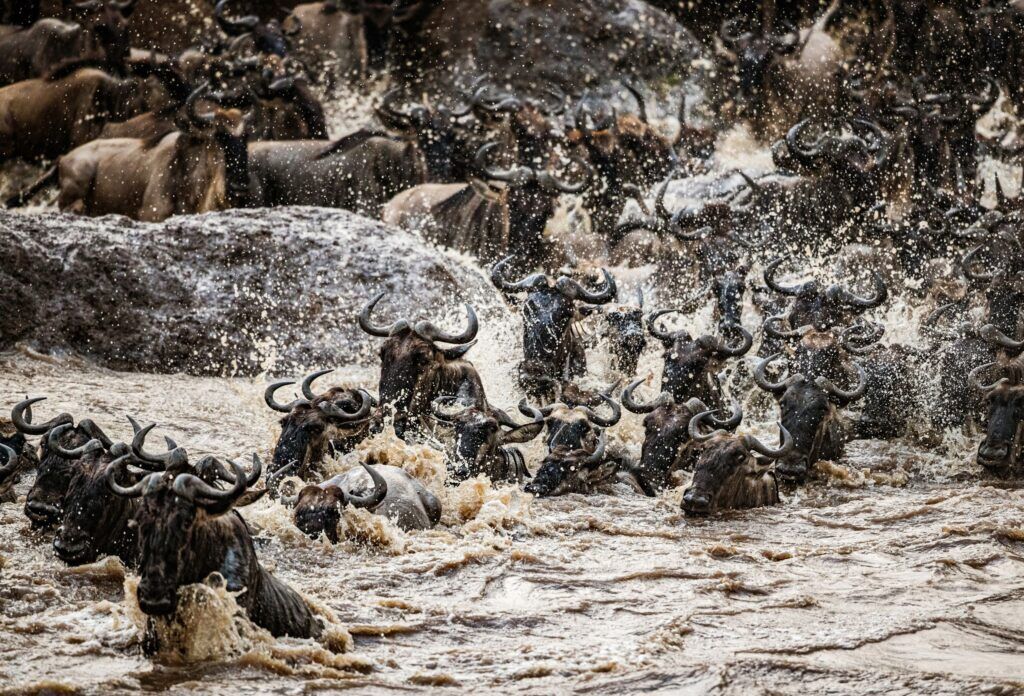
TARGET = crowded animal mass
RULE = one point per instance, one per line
(620, 346)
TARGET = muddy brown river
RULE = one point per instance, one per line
(898, 570)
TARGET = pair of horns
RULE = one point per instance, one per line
(570, 288)
(423, 329)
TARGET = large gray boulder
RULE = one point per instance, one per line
(236, 292)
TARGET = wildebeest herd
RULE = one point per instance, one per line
(876, 148)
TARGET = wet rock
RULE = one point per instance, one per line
(571, 43)
(225, 293)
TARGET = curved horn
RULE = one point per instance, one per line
(53, 444)
(632, 405)
(601, 421)
(881, 295)
(366, 403)
(376, 497)
(652, 326)
(516, 174)
(762, 380)
(438, 406)
(725, 350)
(518, 434)
(974, 378)
(693, 427)
(548, 180)
(574, 291)
(862, 384)
(784, 335)
(806, 157)
(752, 444)
(138, 442)
(133, 491)
(527, 283)
(734, 419)
(990, 333)
(848, 334)
(200, 120)
(10, 465)
(268, 396)
(430, 332)
(234, 27)
(374, 329)
(598, 454)
(307, 383)
(769, 279)
(190, 487)
(21, 417)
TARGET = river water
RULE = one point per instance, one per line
(898, 570)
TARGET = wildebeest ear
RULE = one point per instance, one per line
(250, 497)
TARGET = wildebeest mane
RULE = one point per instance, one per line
(474, 220)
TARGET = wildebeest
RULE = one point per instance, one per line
(199, 170)
(359, 172)
(250, 32)
(552, 354)
(625, 333)
(1000, 451)
(783, 75)
(823, 309)
(482, 438)
(731, 471)
(487, 221)
(330, 41)
(691, 365)
(101, 35)
(47, 117)
(44, 505)
(388, 491)
(318, 425)
(187, 529)
(566, 469)
(415, 370)
(666, 435)
(808, 400)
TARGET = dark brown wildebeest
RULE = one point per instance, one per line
(44, 505)
(552, 353)
(731, 472)
(47, 117)
(482, 437)
(198, 171)
(566, 469)
(359, 172)
(101, 35)
(809, 400)
(388, 491)
(250, 32)
(415, 370)
(691, 365)
(318, 425)
(17, 457)
(330, 41)
(1001, 450)
(666, 447)
(188, 529)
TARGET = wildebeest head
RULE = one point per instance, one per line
(854, 159)
(95, 520)
(107, 22)
(267, 37)
(666, 434)
(548, 315)
(318, 508)
(412, 362)
(1004, 288)
(822, 309)
(227, 130)
(755, 54)
(176, 509)
(571, 470)
(435, 129)
(482, 436)
(574, 425)
(808, 405)
(626, 336)
(45, 503)
(691, 364)
(1000, 451)
(334, 421)
(731, 471)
